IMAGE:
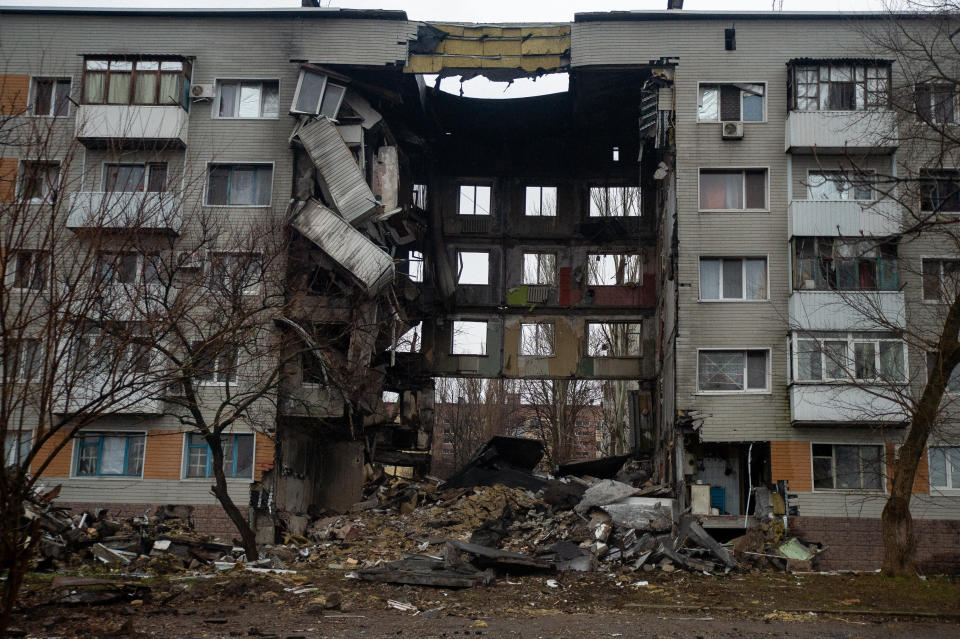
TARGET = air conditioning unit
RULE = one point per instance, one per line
(202, 91)
(732, 130)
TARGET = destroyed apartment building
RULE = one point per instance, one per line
(663, 224)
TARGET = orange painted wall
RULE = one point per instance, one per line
(921, 481)
(263, 457)
(8, 179)
(162, 459)
(60, 466)
(14, 90)
(791, 461)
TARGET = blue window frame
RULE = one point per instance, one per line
(237, 456)
(239, 184)
(109, 455)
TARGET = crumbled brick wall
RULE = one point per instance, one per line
(208, 519)
(856, 544)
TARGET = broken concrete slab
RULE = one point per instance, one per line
(654, 514)
(689, 527)
(419, 570)
(607, 491)
(502, 559)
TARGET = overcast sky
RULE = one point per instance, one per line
(488, 11)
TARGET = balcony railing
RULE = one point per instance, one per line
(844, 218)
(116, 210)
(839, 131)
(132, 125)
(846, 310)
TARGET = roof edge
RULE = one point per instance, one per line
(300, 12)
(659, 14)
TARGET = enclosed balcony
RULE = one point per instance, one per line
(841, 131)
(846, 310)
(844, 218)
(118, 210)
(830, 404)
(131, 126)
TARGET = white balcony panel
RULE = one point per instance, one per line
(119, 210)
(846, 310)
(839, 131)
(129, 401)
(131, 124)
(844, 218)
(839, 403)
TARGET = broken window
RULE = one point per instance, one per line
(614, 269)
(135, 177)
(420, 196)
(733, 278)
(732, 370)
(239, 184)
(724, 102)
(538, 339)
(134, 80)
(51, 96)
(834, 263)
(868, 357)
(410, 341)
(215, 363)
(248, 99)
(540, 201)
(540, 269)
(613, 339)
(733, 189)
(941, 279)
(237, 273)
(25, 358)
(474, 200)
(39, 181)
(940, 190)
(415, 266)
(16, 447)
(237, 456)
(30, 269)
(312, 372)
(953, 382)
(473, 267)
(838, 185)
(849, 467)
(944, 467)
(937, 103)
(614, 201)
(106, 454)
(469, 338)
(316, 95)
(836, 86)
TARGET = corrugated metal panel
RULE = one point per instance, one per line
(345, 184)
(345, 245)
(133, 210)
(846, 310)
(848, 218)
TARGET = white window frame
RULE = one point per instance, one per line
(952, 486)
(540, 268)
(853, 188)
(215, 108)
(538, 210)
(460, 269)
(851, 338)
(54, 189)
(745, 391)
(206, 184)
(743, 279)
(544, 335)
(15, 454)
(743, 186)
(139, 273)
(635, 211)
(75, 453)
(833, 445)
(701, 85)
(327, 82)
(453, 337)
(147, 169)
(474, 186)
(53, 98)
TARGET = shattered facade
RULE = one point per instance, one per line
(616, 231)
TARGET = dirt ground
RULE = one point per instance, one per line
(679, 604)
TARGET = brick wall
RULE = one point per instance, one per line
(208, 519)
(855, 544)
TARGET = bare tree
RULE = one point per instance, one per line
(474, 410)
(554, 407)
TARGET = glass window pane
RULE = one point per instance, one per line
(937, 458)
(848, 466)
(217, 185)
(753, 107)
(835, 359)
(756, 189)
(733, 279)
(891, 361)
(721, 190)
(331, 100)
(113, 451)
(119, 88)
(264, 185)
(61, 104)
(871, 466)
(865, 360)
(145, 88)
(953, 458)
(756, 370)
(709, 279)
(721, 370)
(249, 106)
(756, 279)
(707, 104)
(244, 466)
(135, 456)
(311, 89)
(157, 180)
(271, 100)
(823, 472)
(89, 452)
(228, 100)
(808, 360)
(243, 185)
(94, 88)
(169, 83)
(42, 96)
